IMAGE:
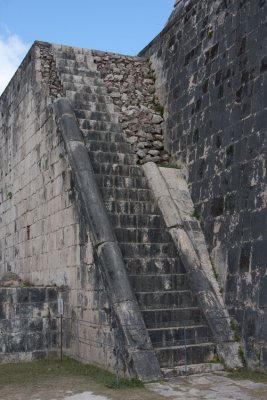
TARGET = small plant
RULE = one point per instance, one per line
(242, 356)
(26, 284)
(160, 109)
(215, 359)
(169, 165)
(9, 195)
(196, 214)
(234, 328)
(210, 32)
(151, 75)
(216, 275)
(61, 155)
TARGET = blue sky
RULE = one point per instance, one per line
(122, 26)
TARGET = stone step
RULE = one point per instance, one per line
(179, 336)
(170, 357)
(119, 158)
(167, 299)
(117, 181)
(71, 51)
(143, 235)
(125, 193)
(112, 147)
(192, 369)
(154, 266)
(84, 88)
(84, 72)
(147, 250)
(118, 170)
(103, 136)
(160, 283)
(172, 317)
(71, 63)
(65, 55)
(82, 99)
(136, 221)
(98, 125)
(94, 81)
(103, 116)
(129, 207)
(97, 107)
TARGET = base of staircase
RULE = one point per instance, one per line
(191, 369)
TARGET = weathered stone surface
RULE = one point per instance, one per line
(119, 291)
(214, 124)
(28, 331)
(169, 195)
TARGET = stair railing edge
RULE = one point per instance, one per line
(137, 341)
(211, 305)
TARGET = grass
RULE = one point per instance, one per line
(28, 372)
(52, 378)
(247, 374)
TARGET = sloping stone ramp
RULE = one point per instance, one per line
(176, 324)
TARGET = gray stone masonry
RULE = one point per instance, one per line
(172, 196)
(29, 323)
(168, 306)
(210, 63)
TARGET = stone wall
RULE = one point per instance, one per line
(130, 82)
(29, 324)
(43, 236)
(211, 64)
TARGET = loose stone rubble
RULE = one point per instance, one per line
(130, 83)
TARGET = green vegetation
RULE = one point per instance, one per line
(210, 32)
(196, 214)
(216, 275)
(215, 359)
(25, 373)
(160, 109)
(247, 374)
(9, 195)
(241, 356)
(151, 74)
(169, 165)
(234, 328)
(26, 284)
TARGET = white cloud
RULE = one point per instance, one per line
(12, 51)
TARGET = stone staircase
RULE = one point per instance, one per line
(176, 326)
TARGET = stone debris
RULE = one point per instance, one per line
(131, 84)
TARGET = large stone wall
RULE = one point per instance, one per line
(211, 65)
(29, 324)
(43, 236)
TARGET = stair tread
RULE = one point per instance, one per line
(167, 291)
(153, 310)
(167, 328)
(204, 344)
(152, 275)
